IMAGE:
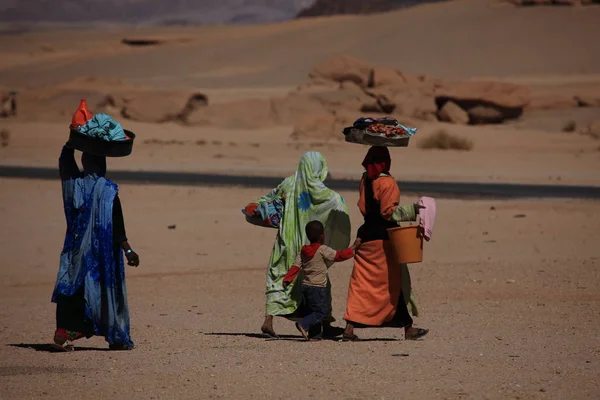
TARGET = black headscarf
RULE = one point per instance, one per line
(93, 164)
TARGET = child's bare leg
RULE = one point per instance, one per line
(267, 326)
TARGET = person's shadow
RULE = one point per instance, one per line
(48, 348)
(294, 338)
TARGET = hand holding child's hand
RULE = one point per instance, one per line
(356, 244)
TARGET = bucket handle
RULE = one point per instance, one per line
(410, 223)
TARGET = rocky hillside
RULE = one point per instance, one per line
(334, 7)
(151, 11)
(528, 3)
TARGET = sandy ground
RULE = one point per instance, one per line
(510, 291)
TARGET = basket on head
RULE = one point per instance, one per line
(101, 147)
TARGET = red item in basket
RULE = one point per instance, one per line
(387, 130)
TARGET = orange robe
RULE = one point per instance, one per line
(375, 284)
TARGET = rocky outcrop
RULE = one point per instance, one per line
(153, 106)
(592, 130)
(486, 102)
(390, 91)
(565, 96)
(241, 114)
(451, 112)
(342, 69)
(8, 103)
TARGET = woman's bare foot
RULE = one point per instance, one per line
(267, 327)
(411, 333)
(348, 334)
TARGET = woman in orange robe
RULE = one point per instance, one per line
(375, 296)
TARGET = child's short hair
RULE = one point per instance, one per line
(314, 230)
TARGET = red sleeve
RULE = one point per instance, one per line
(292, 274)
(343, 255)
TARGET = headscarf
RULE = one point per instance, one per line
(377, 161)
(93, 165)
(313, 200)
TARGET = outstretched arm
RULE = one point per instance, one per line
(405, 213)
(341, 255)
(293, 271)
(66, 164)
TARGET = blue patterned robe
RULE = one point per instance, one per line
(91, 262)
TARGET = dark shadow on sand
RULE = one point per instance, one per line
(295, 338)
(49, 349)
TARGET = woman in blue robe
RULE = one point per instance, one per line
(90, 293)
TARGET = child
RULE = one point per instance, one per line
(314, 259)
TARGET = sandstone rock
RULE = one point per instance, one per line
(385, 76)
(8, 103)
(341, 69)
(502, 94)
(294, 105)
(485, 101)
(552, 101)
(150, 106)
(350, 86)
(407, 101)
(565, 96)
(451, 112)
(193, 103)
(333, 101)
(487, 114)
(593, 130)
(588, 97)
(241, 114)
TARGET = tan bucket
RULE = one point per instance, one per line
(407, 244)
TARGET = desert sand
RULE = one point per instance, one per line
(509, 289)
(512, 304)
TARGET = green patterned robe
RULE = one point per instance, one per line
(306, 199)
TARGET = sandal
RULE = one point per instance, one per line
(349, 338)
(302, 331)
(61, 343)
(417, 335)
(269, 332)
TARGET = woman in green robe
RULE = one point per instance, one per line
(306, 199)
